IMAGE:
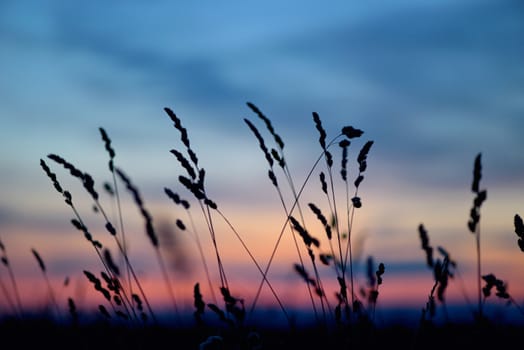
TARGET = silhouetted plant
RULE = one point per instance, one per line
(195, 184)
(116, 289)
(89, 185)
(473, 223)
(342, 255)
(17, 308)
(519, 230)
(501, 290)
(42, 266)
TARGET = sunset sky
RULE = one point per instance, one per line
(432, 83)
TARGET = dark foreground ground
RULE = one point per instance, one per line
(43, 334)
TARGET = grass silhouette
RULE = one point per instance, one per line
(127, 319)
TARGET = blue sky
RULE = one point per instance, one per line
(433, 83)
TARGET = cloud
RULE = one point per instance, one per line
(431, 84)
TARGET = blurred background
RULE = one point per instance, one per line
(432, 83)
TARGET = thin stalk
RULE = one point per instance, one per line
(209, 221)
(128, 263)
(202, 256)
(479, 275)
(256, 263)
(106, 267)
(15, 289)
(167, 281)
(264, 273)
(295, 203)
(8, 298)
(122, 230)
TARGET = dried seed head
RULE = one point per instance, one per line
(68, 198)
(357, 203)
(194, 188)
(89, 185)
(379, 273)
(480, 198)
(350, 132)
(178, 126)
(51, 175)
(425, 244)
(272, 177)
(269, 127)
(180, 224)
(323, 182)
(172, 195)
(138, 200)
(137, 301)
(329, 158)
(358, 180)
(261, 141)
(103, 311)
(109, 189)
(184, 163)
(38, 259)
(344, 144)
(110, 228)
(321, 218)
(519, 230)
(304, 274)
(109, 149)
(198, 299)
(91, 277)
(107, 142)
(308, 240)
(519, 226)
(210, 203)
(325, 258)
(72, 169)
(362, 156)
(278, 158)
(72, 309)
(111, 263)
(176, 198)
(321, 131)
(477, 173)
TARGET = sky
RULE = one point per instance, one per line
(431, 83)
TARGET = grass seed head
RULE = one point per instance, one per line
(477, 173)
(39, 260)
(351, 133)
(321, 131)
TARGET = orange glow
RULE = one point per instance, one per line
(385, 228)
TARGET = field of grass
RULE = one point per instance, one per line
(346, 320)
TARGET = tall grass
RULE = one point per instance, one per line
(337, 173)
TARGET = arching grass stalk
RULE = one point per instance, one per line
(150, 231)
(111, 165)
(194, 234)
(88, 184)
(194, 183)
(355, 200)
(350, 133)
(279, 158)
(256, 264)
(46, 279)
(79, 224)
